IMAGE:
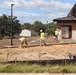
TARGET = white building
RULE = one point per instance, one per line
(28, 33)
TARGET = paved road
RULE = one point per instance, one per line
(37, 74)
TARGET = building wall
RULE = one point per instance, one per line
(33, 33)
(73, 24)
(25, 32)
(28, 33)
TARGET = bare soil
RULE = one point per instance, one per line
(37, 52)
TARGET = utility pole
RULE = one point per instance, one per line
(11, 23)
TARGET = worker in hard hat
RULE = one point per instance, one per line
(56, 35)
(23, 41)
(42, 37)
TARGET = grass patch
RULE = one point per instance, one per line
(34, 68)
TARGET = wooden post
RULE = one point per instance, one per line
(15, 60)
(7, 55)
(40, 42)
(39, 57)
(65, 60)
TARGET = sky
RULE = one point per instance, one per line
(29, 11)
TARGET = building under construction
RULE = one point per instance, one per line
(67, 25)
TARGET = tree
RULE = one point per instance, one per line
(5, 25)
(16, 26)
(37, 26)
(26, 26)
(50, 28)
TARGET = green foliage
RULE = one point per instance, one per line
(26, 26)
(0, 36)
(34, 68)
(37, 25)
(50, 28)
(5, 24)
(16, 26)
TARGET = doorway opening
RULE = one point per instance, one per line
(66, 32)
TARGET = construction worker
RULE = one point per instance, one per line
(42, 37)
(56, 35)
(59, 36)
(23, 41)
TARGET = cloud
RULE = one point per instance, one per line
(32, 17)
(26, 17)
(61, 6)
(42, 10)
(38, 4)
(53, 16)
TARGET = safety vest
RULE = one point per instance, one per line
(42, 35)
(56, 32)
(22, 38)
